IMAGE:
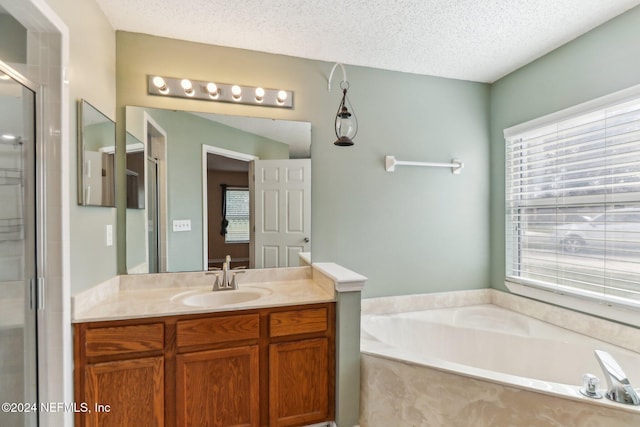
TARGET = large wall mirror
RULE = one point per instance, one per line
(96, 157)
(192, 198)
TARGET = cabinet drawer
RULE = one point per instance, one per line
(214, 330)
(124, 339)
(298, 322)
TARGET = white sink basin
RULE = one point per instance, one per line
(208, 298)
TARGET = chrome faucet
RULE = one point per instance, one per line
(229, 281)
(620, 390)
(225, 271)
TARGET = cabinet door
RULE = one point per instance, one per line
(299, 382)
(125, 393)
(218, 388)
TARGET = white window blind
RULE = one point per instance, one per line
(237, 205)
(573, 204)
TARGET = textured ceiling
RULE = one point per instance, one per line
(477, 40)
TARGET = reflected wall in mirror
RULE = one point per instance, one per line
(96, 157)
(194, 199)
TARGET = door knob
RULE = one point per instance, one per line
(307, 240)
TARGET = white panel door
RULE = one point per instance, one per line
(282, 211)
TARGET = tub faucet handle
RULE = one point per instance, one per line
(590, 386)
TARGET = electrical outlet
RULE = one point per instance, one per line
(181, 225)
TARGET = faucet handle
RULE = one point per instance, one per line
(216, 285)
(590, 386)
(234, 282)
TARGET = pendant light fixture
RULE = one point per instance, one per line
(346, 124)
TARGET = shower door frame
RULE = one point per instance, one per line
(33, 222)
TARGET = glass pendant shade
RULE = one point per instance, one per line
(346, 123)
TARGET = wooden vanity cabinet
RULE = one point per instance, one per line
(218, 371)
(254, 368)
(300, 370)
(119, 375)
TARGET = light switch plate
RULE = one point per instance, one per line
(181, 225)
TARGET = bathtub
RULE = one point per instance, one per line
(480, 361)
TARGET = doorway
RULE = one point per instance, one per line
(277, 212)
(226, 210)
(18, 285)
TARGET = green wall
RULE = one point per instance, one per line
(91, 74)
(415, 230)
(603, 61)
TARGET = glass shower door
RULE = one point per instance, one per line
(18, 306)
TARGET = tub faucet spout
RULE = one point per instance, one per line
(620, 390)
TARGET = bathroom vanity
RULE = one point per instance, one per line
(143, 357)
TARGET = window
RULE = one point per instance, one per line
(573, 202)
(237, 213)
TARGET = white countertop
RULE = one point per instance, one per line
(130, 297)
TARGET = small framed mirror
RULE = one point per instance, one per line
(96, 157)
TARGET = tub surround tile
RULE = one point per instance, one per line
(398, 393)
(404, 303)
(614, 333)
(605, 330)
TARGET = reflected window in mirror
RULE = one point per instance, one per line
(96, 157)
(235, 211)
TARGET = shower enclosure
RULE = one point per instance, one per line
(18, 287)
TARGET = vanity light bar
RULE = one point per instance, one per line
(221, 92)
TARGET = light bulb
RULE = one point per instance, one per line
(236, 92)
(187, 86)
(282, 96)
(259, 94)
(159, 83)
(212, 88)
